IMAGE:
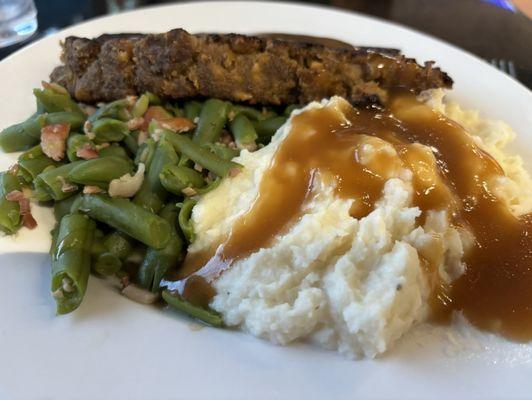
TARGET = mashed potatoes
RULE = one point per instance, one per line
(355, 285)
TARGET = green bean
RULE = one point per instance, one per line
(114, 150)
(212, 119)
(140, 107)
(175, 178)
(71, 261)
(174, 110)
(74, 119)
(39, 106)
(53, 242)
(153, 98)
(53, 101)
(192, 110)
(185, 223)
(110, 110)
(288, 110)
(64, 207)
(26, 134)
(202, 156)
(10, 219)
(75, 142)
(152, 194)
(153, 126)
(118, 244)
(129, 218)
(32, 162)
(157, 263)
(184, 161)
(223, 151)
(208, 316)
(106, 253)
(131, 141)
(21, 136)
(243, 132)
(124, 114)
(53, 183)
(109, 130)
(145, 153)
(100, 171)
(210, 186)
(107, 264)
(252, 113)
(266, 129)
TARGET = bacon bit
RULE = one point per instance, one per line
(24, 205)
(226, 138)
(135, 123)
(160, 115)
(53, 140)
(234, 172)
(198, 167)
(189, 191)
(87, 152)
(15, 195)
(92, 189)
(54, 86)
(28, 221)
(176, 124)
(153, 112)
(124, 281)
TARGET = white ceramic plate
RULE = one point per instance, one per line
(114, 348)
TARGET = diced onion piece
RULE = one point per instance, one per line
(139, 295)
(127, 185)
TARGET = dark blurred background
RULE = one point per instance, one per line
(496, 30)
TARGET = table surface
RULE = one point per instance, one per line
(489, 31)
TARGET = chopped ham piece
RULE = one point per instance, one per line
(87, 152)
(15, 195)
(92, 190)
(28, 221)
(24, 204)
(176, 124)
(53, 140)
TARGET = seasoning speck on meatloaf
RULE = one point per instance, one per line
(239, 68)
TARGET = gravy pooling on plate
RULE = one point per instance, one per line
(454, 175)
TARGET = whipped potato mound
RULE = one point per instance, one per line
(355, 285)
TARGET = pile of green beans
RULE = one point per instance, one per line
(186, 148)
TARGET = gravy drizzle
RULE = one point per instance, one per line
(495, 292)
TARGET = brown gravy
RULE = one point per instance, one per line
(495, 293)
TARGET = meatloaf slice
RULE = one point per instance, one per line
(239, 68)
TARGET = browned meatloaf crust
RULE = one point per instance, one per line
(234, 67)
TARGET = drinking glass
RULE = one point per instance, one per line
(18, 21)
